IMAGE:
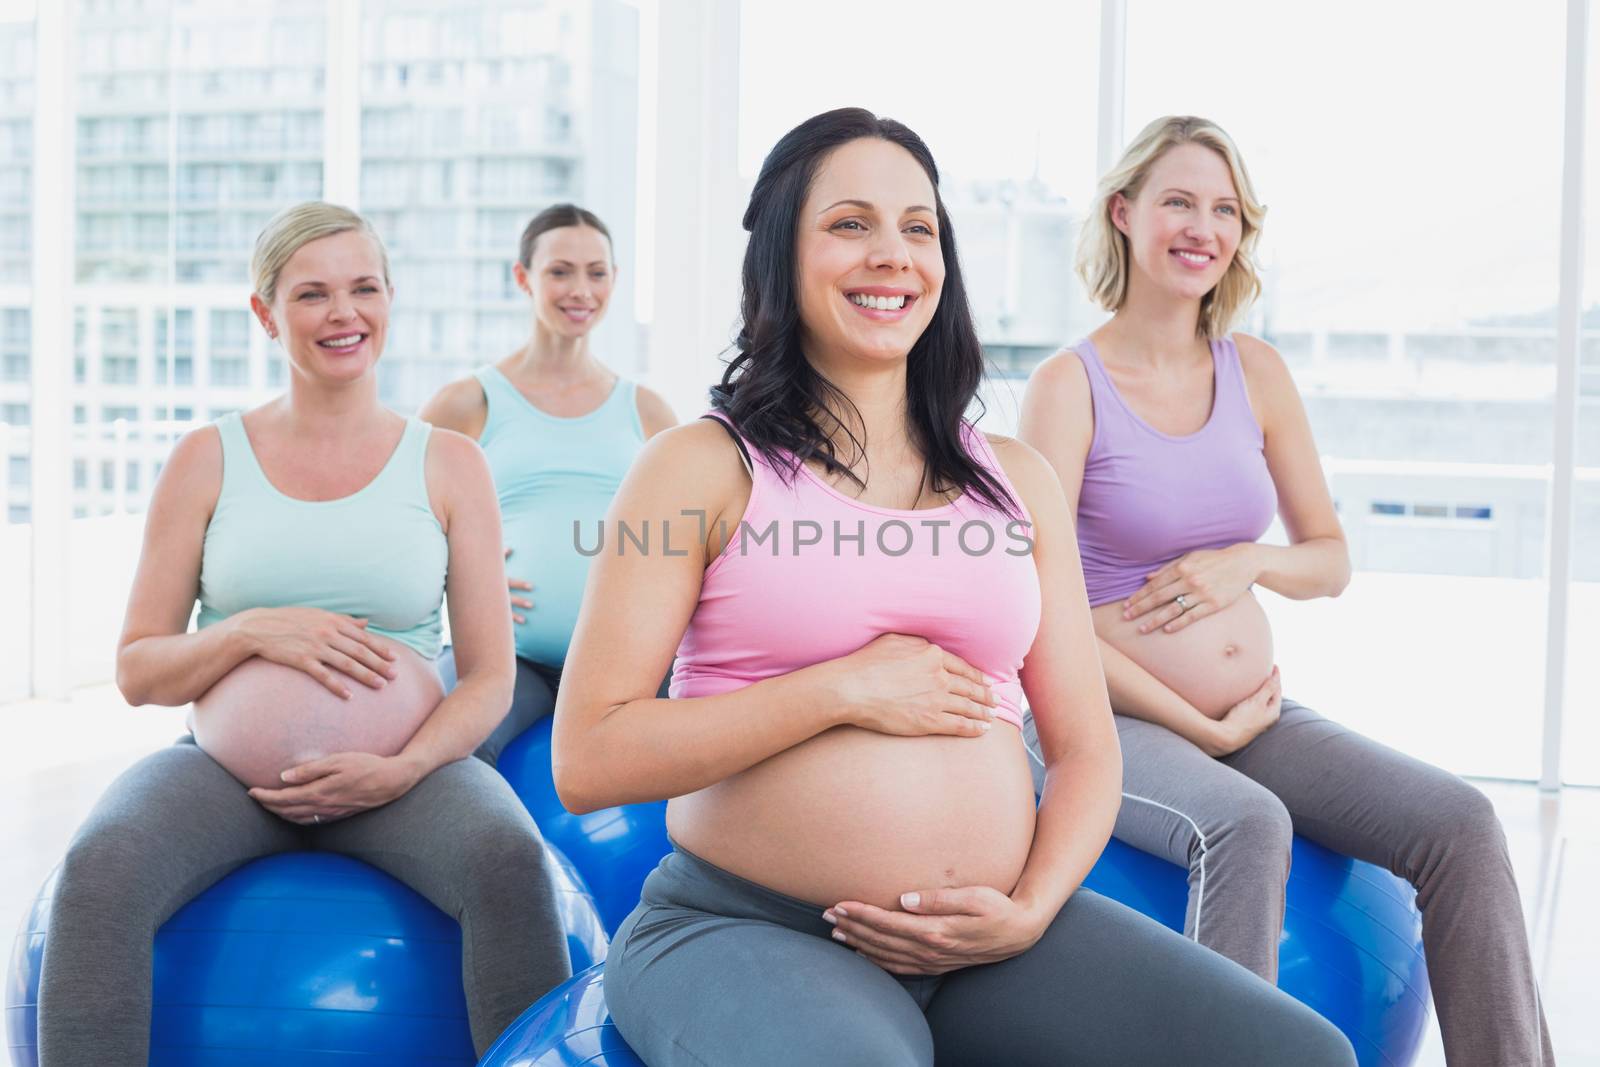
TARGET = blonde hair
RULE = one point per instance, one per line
(294, 227)
(1102, 259)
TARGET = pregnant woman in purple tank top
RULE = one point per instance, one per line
(1176, 442)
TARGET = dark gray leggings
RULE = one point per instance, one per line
(175, 822)
(712, 969)
(1229, 821)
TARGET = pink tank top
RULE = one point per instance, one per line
(811, 575)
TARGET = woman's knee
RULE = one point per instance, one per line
(1463, 821)
(1255, 822)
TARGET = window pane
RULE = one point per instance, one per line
(475, 116)
(1412, 291)
(16, 368)
(1009, 117)
(196, 122)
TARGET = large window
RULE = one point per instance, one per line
(474, 117)
(1410, 257)
(1410, 269)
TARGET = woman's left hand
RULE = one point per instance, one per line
(337, 786)
(940, 930)
(1208, 580)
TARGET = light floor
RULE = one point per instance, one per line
(56, 757)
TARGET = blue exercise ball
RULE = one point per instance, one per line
(310, 958)
(568, 1027)
(1351, 946)
(613, 848)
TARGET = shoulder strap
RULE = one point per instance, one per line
(1231, 388)
(744, 450)
(240, 468)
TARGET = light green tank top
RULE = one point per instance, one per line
(552, 473)
(378, 554)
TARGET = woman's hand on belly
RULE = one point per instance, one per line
(338, 786)
(1249, 718)
(908, 686)
(1208, 580)
(330, 647)
(939, 930)
(1213, 666)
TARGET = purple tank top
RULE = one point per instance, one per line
(1149, 497)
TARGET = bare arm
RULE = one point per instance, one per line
(615, 743)
(459, 481)
(157, 661)
(1317, 560)
(459, 406)
(655, 414)
(1066, 692)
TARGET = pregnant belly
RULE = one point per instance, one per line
(1213, 663)
(857, 815)
(261, 718)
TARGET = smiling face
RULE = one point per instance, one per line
(867, 260)
(570, 278)
(1184, 224)
(331, 307)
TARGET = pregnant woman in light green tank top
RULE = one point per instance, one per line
(320, 533)
(560, 431)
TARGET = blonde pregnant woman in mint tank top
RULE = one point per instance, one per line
(560, 430)
(320, 532)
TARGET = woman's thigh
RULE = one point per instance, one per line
(1179, 803)
(1357, 796)
(1105, 985)
(457, 831)
(693, 988)
(165, 829)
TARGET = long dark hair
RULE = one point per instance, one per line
(775, 397)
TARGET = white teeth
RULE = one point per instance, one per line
(343, 342)
(879, 303)
(1193, 257)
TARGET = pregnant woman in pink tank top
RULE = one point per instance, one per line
(1175, 443)
(862, 589)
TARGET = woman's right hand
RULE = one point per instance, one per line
(324, 644)
(898, 684)
(514, 584)
(1249, 718)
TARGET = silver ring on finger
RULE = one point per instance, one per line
(1182, 602)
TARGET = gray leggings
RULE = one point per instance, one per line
(712, 969)
(176, 822)
(1229, 822)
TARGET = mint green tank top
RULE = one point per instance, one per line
(378, 554)
(549, 473)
